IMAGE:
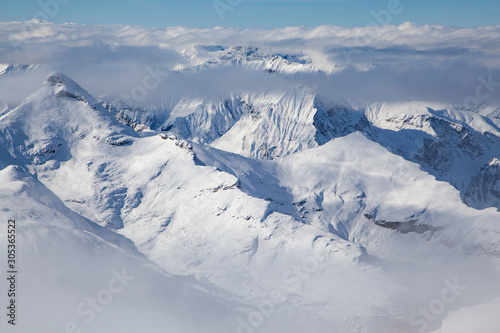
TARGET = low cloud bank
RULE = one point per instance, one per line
(405, 62)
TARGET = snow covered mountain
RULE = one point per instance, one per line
(51, 238)
(273, 205)
(252, 58)
(7, 68)
(451, 143)
(327, 210)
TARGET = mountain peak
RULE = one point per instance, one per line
(58, 78)
(12, 173)
(66, 87)
(494, 162)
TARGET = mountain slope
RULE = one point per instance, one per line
(453, 145)
(335, 212)
(51, 239)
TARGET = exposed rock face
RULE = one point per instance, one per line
(484, 188)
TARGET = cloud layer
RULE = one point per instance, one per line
(405, 62)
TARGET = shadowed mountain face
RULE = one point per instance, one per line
(484, 188)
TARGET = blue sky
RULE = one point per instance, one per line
(255, 13)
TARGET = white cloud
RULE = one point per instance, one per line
(391, 62)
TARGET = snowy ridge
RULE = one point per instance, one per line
(251, 58)
(264, 126)
(52, 120)
(449, 143)
(7, 68)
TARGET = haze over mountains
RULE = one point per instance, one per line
(292, 180)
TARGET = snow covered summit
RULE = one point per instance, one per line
(66, 87)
